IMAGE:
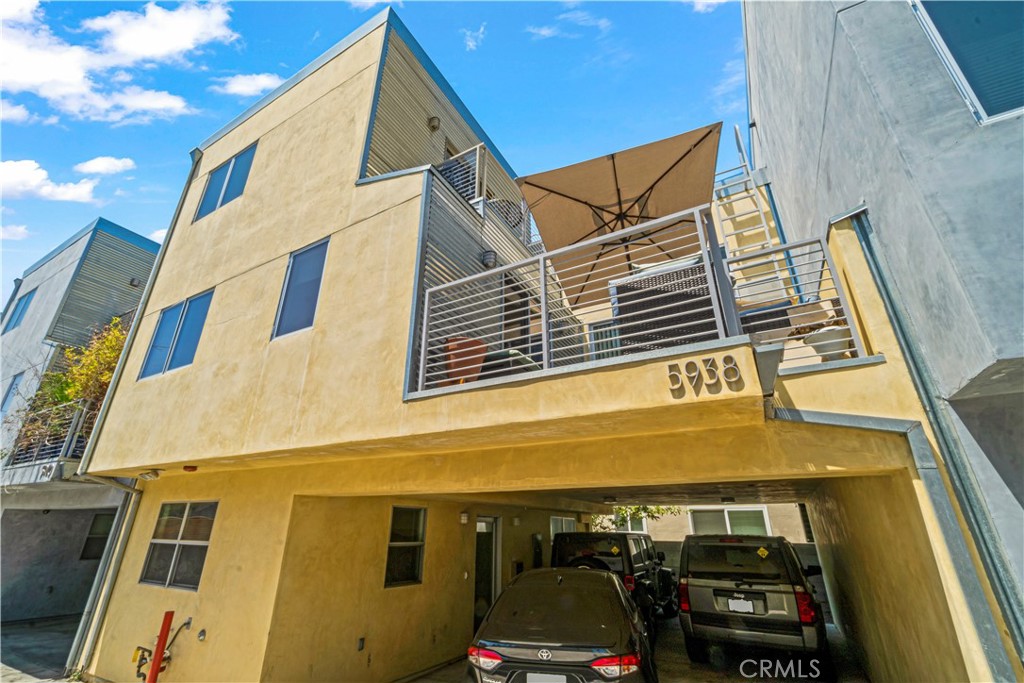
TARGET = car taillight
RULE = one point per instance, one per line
(730, 540)
(805, 607)
(484, 659)
(684, 596)
(616, 667)
(629, 581)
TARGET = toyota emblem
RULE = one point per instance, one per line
(544, 654)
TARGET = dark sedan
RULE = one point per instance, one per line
(564, 625)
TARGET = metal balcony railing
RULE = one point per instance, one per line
(479, 179)
(660, 285)
(58, 432)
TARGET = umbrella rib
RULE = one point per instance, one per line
(669, 169)
(590, 272)
(565, 196)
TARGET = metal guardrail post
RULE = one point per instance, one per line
(69, 438)
(728, 298)
(858, 344)
(545, 323)
(424, 341)
(709, 274)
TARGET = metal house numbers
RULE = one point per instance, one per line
(704, 374)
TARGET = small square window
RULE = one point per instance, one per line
(301, 289)
(405, 546)
(226, 182)
(96, 541)
(177, 335)
(177, 551)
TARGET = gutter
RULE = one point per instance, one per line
(103, 585)
(964, 486)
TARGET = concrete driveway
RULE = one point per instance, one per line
(728, 664)
(35, 650)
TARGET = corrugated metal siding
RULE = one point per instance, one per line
(408, 98)
(100, 290)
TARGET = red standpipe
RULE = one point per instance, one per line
(161, 645)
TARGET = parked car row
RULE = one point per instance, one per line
(591, 617)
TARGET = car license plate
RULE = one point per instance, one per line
(545, 678)
(746, 606)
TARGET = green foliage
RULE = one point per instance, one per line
(633, 512)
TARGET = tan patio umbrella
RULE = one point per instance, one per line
(616, 192)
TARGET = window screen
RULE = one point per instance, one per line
(301, 289)
(12, 391)
(18, 313)
(405, 546)
(226, 182)
(177, 335)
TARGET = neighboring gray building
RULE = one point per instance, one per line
(53, 531)
(909, 114)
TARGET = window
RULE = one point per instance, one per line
(982, 46)
(96, 541)
(604, 339)
(634, 524)
(301, 289)
(751, 521)
(12, 391)
(177, 335)
(178, 549)
(405, 547)
(18, 314)
(226, 182)
(560, 525)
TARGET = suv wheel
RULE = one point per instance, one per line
(671, 606)
(697, 650)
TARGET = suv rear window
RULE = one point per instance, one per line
(608, 550)
(713, 560)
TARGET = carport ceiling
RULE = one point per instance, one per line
(781, 491)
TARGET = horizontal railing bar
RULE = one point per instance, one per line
(789, 246)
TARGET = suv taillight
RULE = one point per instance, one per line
(684, 596)
(629, 581)
(484, 659)
(805, 607)
(616, 667)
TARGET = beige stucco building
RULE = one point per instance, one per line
(359, 389)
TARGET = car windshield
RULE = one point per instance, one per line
(740, 561)
(601, 552)
(570, 613)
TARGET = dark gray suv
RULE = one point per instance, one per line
(750, 590)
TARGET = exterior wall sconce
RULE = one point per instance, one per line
(150, 475)
(464, 518)
(516, 521)
(489, 258)
(135, 282)
(433, 123)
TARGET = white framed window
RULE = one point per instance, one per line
(751, 520)
(561, 525)
(637, 525)
(177, 551)
(226, 182)
(405, 546)
(981, 44)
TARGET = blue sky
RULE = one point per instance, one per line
(103, 101)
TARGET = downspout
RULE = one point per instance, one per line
(99, 598)
(965, 488)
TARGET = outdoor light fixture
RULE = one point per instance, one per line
(433, 123)
(135, 282)
(728, 499)
(489, 258)
(516, 521)
(610, 500)
(150, 475)
(464, 517)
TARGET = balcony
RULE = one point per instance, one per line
(47, 440)
(496, 307)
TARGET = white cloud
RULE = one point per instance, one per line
(473, 39)
(370, 4)
(13, 232)
(705, 6)
(247, 85)
(158, 34)
(582, 18)
(545, 32)
(13, 113)
(105, 166)
(729, 92)
(88, 82)
(18, 11)
(158, 235)
(28, 179)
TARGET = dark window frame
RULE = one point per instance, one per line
(12, 391)
(172, 347)
(275, 333)
(421, 544)
(87, 547)
(178, 543)
(18, 311)
(230, 163)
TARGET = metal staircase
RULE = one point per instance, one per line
(746, 231)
